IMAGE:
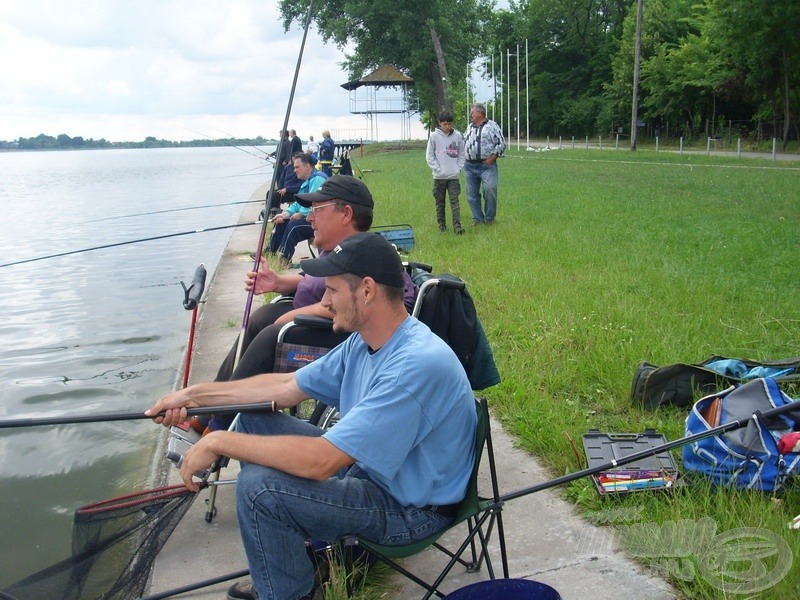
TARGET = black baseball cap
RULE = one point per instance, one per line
(363, 254)
(339, 187)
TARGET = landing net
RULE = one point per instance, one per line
(114, 545)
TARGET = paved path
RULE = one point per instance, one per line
(547, 541)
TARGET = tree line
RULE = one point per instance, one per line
(65, 142)
(708, 67)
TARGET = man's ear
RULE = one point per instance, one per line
(368, 289)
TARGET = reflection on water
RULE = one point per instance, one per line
(95, 332)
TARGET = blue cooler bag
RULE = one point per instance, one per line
(747, 457)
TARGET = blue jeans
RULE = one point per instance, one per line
(477, 174)
(297, 230)
(278, 512)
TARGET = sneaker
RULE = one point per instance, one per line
(243, 590)
(442, 229)
(459, 230)
(490, 221)
(475, 222)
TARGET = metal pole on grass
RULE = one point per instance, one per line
(636, 61)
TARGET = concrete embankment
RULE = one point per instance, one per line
(547, 541)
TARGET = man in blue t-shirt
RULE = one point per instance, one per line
(394, 468)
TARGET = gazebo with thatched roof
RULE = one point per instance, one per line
(386, 91)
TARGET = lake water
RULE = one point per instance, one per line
(98, 331)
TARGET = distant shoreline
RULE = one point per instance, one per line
(64, 142)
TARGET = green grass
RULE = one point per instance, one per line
(601, 259)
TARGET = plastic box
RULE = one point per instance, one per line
(656, 472)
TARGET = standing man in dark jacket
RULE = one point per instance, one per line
(297, 143)
(326, 149)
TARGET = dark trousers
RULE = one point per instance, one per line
(451, 187)
(260, 343)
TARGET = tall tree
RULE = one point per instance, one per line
(571, 44)
(761, 44)
(665, 23)
(432, 41)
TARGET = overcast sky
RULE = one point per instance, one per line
(174, 69)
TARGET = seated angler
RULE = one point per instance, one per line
(394, 468)
(340, 208)
(291, 227)
(288, 185)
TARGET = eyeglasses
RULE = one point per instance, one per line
(313, 210)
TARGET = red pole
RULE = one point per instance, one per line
(189, 349)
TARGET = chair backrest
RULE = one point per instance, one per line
(290, 355)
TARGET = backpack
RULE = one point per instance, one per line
(747, 457)
(679, 384)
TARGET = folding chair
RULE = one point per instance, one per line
(479, 515)
(291, 354)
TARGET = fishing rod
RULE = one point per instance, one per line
(263, 234)
(281, 141)
(132, 416)
(264, 152)
(114, 245)
(169, 210)
(763, 416)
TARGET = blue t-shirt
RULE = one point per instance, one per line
(408, 415)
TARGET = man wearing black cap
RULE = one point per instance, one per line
(341, 207)
(397, 463)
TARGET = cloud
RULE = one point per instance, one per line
(172, 69)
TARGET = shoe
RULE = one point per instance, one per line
(459, 230)
(490, 221)
(475, 222)
(315, 594)
(243, 590)
(442, 229)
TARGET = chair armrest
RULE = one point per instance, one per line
(313, 321)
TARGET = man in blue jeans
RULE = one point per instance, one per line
(394, 468)
(484, 144)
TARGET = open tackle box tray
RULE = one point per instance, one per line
(657, 472)
(401, 235)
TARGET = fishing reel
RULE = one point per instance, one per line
(181, 438)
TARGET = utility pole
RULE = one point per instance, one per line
(508, 96)
(527, 100)
(637, 57)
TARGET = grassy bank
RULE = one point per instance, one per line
(601, 259)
